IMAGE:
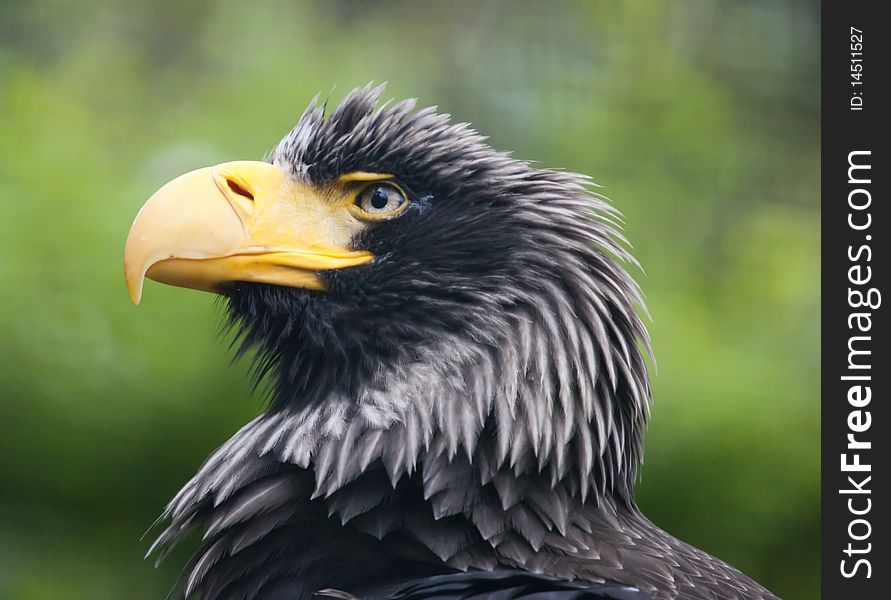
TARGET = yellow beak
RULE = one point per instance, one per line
(238, 221)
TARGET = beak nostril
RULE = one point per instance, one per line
(238, 189)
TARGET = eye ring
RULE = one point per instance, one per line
(378, 201)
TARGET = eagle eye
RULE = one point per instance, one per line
(380, 200)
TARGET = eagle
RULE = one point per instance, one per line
(456, 366)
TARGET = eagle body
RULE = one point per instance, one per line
(460, 415)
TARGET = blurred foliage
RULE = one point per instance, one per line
(701, 119)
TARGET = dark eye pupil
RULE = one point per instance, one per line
(380, 198)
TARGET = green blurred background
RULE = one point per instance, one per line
(700, 118)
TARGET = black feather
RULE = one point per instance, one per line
(502, 585)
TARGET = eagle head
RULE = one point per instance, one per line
(455, 359)
(394, 272)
